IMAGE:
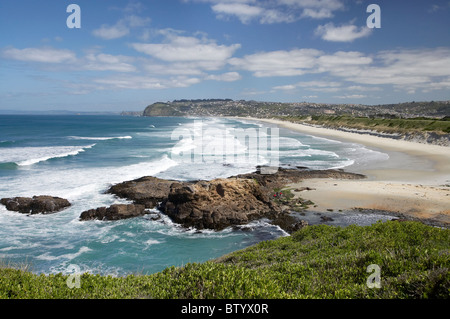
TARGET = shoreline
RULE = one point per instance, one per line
(414, 181)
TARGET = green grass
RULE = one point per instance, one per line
(387, 125)
(315, 262)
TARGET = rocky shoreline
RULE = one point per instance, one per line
(220, 203)
(214, 204)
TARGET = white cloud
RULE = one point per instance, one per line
(134, 21)
(180, 48)
(309, 96)
(244, 12)
(277, 16)
(189, 49)
(107, 62)
(316, 9)
(145, 82)
(226, 77)
(273, 11)
(344, 33)
(42, 55)
(278, 63)
(363, 88)
(298, 62)
(108, 32)
(329, 4)
(317, 13)
(288, 87)
(318, 86)
(186, 68)
(121, 28)
(180, 55)
(351, 96)
(406, 70)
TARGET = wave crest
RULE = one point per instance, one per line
(25, 156)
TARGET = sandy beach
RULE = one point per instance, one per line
(414, 181)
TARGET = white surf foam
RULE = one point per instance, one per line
(24, 156)
(47, 256)
(99, 138)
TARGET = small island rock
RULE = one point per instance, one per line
(36, 205)
(114, 212)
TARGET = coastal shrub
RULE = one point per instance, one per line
(388, 125)
(318, 261)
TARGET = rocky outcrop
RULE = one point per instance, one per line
(147, 191)
(218, 203)
(289, 223)
(35, 205)
(114, 212)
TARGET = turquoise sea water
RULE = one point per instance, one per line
(79, 157)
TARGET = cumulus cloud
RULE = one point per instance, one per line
(406, 69)
(273, 11)
(108, 32)
(186, 56)
(121, 28)
(243, 11)
(187, 49)
(343, 33)
(410, 70)
(278, 63)
(316, 9)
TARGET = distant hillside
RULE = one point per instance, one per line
(228, 107)
(423, 122)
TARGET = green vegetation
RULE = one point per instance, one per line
(315, 262)
(161, 109)
(260, 109)
(387, 125)
(286, 197)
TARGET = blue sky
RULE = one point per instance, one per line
(128, 54)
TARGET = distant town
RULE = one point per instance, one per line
(243, 108)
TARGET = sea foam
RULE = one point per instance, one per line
(24, 156)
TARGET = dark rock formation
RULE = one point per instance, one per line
(114, 212)
(218, 203)
(147, 191)
(289, 223)
(326, 219)
(284, 176)
(36, 205)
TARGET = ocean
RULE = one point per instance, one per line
(80, 157)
